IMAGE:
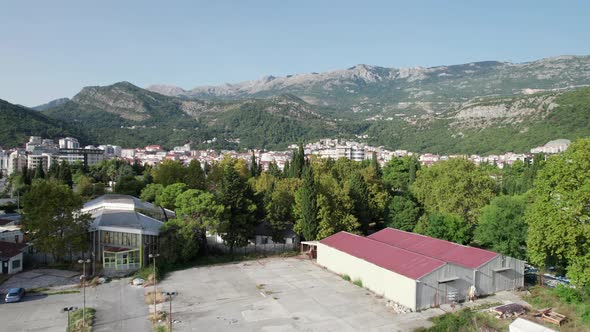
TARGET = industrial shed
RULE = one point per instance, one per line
(417, 272)
(488, 271)
(384, 269)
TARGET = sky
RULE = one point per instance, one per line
(51, 49)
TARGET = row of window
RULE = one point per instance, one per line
(120, 239)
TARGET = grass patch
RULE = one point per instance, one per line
(358, 282)
(571, 302)
(149, 297)
(466, 320)
(76, 320)
(48, 291)
(37, 290)
(345, 277)
(484, 306)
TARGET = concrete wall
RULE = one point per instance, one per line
(432, 293)
(391, 285)
(489, 282)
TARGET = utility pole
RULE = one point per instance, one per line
(154, 256)
(83, 262)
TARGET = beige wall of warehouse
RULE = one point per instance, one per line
(391, 285)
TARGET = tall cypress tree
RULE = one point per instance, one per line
(296, 170)
(65, 174)
(306, 206)
(375, 165)
(254, 166)
(39, 173)
(359, 192)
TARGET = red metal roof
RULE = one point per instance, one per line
(400, 261)
(440, 249)
(9, 249)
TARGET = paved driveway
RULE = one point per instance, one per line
(279, 294)
(41, 278)
(119, 306)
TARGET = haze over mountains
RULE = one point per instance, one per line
(469, 108)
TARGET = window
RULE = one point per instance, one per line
(16, 264)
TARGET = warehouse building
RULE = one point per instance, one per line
(414, 275)
(488, 271)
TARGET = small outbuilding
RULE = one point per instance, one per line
(11, 257)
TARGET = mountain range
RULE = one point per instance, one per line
(468, 108)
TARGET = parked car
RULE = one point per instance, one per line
(14, 295)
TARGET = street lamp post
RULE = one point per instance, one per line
(83, 277)
(170, 295)
(68, 309)
(154, 256)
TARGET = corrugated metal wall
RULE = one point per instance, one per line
(431, 293)
(391, 285)
(489, 281)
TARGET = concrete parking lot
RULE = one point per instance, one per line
(41, 278)
(119, 306)
(279, 294)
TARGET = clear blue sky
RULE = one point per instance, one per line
(51, 49)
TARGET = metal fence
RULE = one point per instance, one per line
(270, 248)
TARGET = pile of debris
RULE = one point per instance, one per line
(509, 310)
(398, 308)
(550, 316)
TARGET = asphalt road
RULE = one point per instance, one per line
(119, 307)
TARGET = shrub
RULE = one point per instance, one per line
(358, 282)
(345, 277)
(568, 294)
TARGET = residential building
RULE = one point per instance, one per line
(69, 143)
(11, 233)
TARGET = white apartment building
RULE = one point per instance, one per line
(45, 160)
(69, 143)
(16, 161)
(111, 151)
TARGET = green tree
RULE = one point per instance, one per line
(447, 226)
(402, 213)
(335, 208)
(169, 172)
(359, 193)
(168, 196)
(51, 216)
(298, 162)
(558, 227)
(197, 211)
(239, 221)
(195, 176)
(306, 208)
(455, 186)
(151, 191)
(399, 173)
(64, 174)
(39, 173)
(279, 208)
(501, 226)
(129, 185)
(254, 168)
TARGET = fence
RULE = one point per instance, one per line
(253, 248)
